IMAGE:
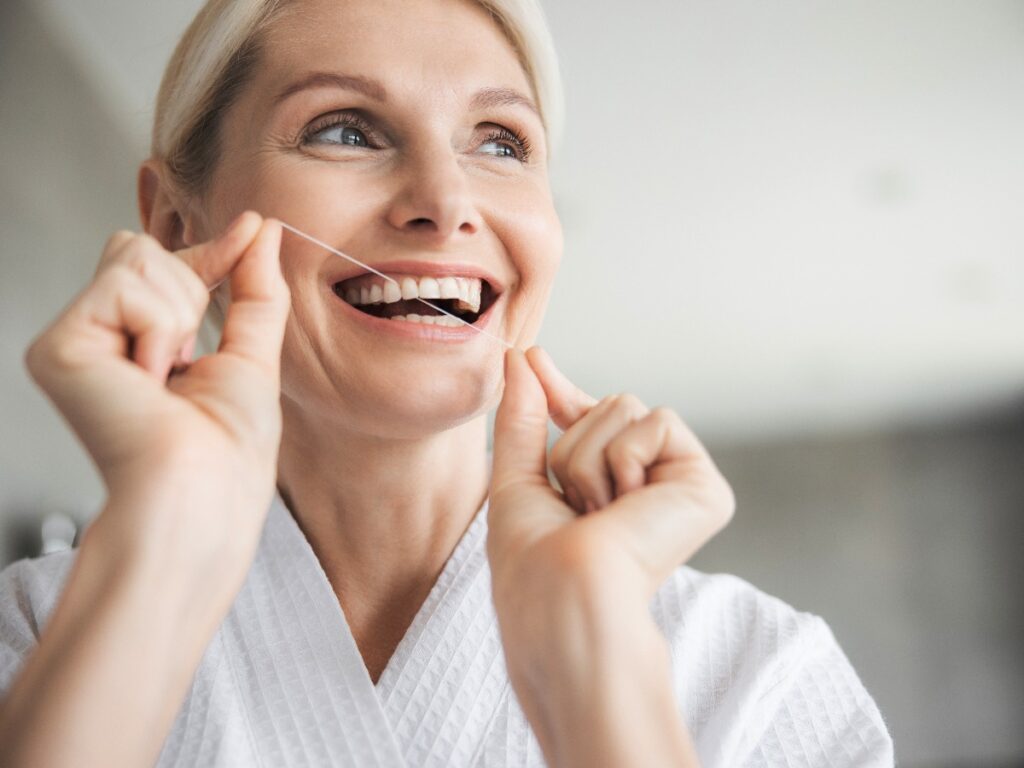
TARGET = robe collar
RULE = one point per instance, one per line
(304, 677)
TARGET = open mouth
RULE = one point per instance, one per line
(468, 298)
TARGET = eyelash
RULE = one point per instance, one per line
(497, 133)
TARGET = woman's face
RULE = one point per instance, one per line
(403, 133)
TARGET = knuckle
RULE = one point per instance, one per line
(665, 414)
(117, 241)
(629, 405)
(35, 355)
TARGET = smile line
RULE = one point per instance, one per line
(368, 268)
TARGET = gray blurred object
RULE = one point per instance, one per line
(28, 533)
(58, 532)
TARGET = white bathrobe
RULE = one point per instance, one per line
(283, 684)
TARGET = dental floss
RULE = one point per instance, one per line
(368, 268)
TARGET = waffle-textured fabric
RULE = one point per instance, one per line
(283, 684)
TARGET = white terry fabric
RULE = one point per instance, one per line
(282, 682)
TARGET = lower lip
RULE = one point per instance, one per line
(420, 331)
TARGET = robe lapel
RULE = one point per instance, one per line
(308, 697)
(446, 683)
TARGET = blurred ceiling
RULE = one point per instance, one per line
(780, 217)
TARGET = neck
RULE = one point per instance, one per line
(382, 515)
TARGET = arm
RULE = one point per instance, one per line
(114, 662)
(600, 704)
(573, 572)
(188, 461)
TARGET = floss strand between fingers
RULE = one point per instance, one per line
(368, 268)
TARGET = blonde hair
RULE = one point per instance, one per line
(214, 57)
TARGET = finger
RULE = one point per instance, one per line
(122, 299)
(520, 428)
(584, 467)
(564, 447)
(256, 317)
(167, 275)
(213, 260)
(114, 245)
(567, 403)
(672, 497)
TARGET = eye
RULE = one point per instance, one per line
(501, 142)
(340, 129)
(343, 134)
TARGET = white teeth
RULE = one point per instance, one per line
(429, 289)
(449, 288)
(392, 292)
(464, 291)
(451, 322)
(410, 290)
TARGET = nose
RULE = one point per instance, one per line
(435, 201)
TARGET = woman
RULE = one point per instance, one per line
(398, 600)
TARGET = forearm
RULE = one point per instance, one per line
(114, 662)
(598, 692)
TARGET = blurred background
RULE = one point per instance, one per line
(800, 225)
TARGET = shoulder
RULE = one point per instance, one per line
(694, 608)
(721, 629)
(29, 590)
(753, 674)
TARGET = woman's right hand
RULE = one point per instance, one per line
(189, 461)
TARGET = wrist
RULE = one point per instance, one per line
(160, 571)
(596, 687)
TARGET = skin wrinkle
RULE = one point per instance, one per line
(383, 455)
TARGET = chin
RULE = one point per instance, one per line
(441, 401)
(405, 404)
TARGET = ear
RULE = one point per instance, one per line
(161, 211)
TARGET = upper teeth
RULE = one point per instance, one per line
(465, 291)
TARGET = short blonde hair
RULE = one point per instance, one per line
(214, 57)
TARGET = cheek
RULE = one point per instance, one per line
(533, 239)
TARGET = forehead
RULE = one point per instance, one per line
(451, 47)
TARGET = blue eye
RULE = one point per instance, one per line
(503, 143)
(500, 149)
(342, 134)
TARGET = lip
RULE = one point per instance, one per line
(419, 331)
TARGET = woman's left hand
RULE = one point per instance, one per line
(640, 493)
(573, 572)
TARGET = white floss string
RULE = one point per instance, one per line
(368, 268)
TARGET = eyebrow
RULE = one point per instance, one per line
(485, 98)
(363, 85)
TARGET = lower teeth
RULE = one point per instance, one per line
(429, 319)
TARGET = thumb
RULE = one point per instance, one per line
(566, 402)
(255, 322)
(213, 260)
(520, 427)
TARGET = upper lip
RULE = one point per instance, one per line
(420, 268)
